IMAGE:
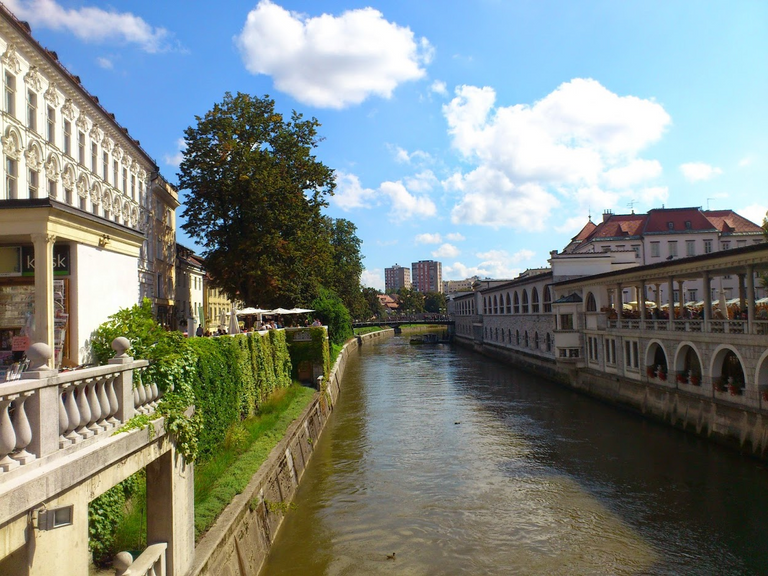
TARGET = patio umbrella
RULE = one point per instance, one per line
(281, 311)
(234, 327)
(299, 311)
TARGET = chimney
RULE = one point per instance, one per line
(607, 214)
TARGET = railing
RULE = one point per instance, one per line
(151, 562)
(47, 411)
(759, 327)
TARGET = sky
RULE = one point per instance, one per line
(480, 133)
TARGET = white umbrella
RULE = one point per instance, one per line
(299, 310)
(251, 310)
(234, 327)
(281, 311)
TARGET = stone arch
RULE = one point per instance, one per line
(68, 176)
(495, 304)
(12, 143)
(96, 193)
(547, 299)
(525, 301)
(34, 155)
(688, 363)
(655, 356)
(53, 166)
(509, 304)
(727, 364)
(534, 301)
(761, 374)
(516, 304)
(82, 186)
(590, 304)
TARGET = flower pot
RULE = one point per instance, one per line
(764, 394)
(694, 380)
(734, 390)
(662, 377)
(718, 386)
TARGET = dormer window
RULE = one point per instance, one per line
(670, 225)
(687, 224)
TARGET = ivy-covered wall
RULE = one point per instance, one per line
(313, 350)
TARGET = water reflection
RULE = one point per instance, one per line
(464, 466)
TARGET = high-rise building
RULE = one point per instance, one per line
(395, 278)
(427, 276)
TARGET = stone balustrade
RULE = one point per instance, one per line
(151, 562)
(47, 411)
(759, 327)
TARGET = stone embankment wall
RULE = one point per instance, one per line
(239, 542)
(742, 428)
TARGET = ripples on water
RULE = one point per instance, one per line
(464, 466)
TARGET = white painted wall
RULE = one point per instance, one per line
(103, 283)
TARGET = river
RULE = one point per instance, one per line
(461, 465)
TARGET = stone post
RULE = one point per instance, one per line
(124, 381)
(171, 509)
(671, 302)
(42, 407)
(641, 303)
(707, 300)
(750, 298)
(43, 246)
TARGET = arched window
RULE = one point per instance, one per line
(525, 302)
(591, 304)
(509, 305)
(536, 340)
(517, 337)
(549, 342)
(497, 334)
(547, 299)
(509, 335)
(516, 306)
(535, 301)
(525, 339)
(495, 304)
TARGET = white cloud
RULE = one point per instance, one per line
(373, 278)
(655, 195)
(421, 182)
(176, 158)
(105, 63)
(699, 171)
(635, 172)
(494, 264)
(350, 194)
(578, 136)
(331, 61)
(439, 87)
(446, 251)
(428, 238)
(746, 161)
(572, 225)
(92, 24)
(754, 213)
(455, 237)
(402, 155)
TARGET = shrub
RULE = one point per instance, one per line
(331, 311)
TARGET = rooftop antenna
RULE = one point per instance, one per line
(631, 205)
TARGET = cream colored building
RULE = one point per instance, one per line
(75, 203)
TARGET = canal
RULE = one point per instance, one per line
(461, 465)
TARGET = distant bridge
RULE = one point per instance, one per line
(424, 319)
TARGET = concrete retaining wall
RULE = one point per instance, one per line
(239, 542)
(741, 428)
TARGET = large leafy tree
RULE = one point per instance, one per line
(373, 304)
(411, 300)
(346, 265)
(434, 302)
(254, 200)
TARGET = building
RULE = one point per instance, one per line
(189, 295)
(427, 276)
(216, 305)
(456, 286)
(395, 278)
(75, 203)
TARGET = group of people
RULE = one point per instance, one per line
(272, 324)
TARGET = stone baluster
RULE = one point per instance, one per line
(101, 394)
(63, 418)
(84, 409)
(42, 408)
(155, 395)
(7, 435)
(93, 402)
(23, 429)
(141, 406)
(150, 398)
(113, 402)
(73, 414)
(123, 384)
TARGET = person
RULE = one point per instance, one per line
(317, 322)
(199, 332)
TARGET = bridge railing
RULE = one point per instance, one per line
(47, 411)
(405, 318)
(151, 562)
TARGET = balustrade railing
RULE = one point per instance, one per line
(151, 562)
(759, 327)
(46, 411)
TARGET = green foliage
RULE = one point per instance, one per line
(104, 515)
(434, 302)
(315, 350)
(331, 311)
(411, 301)
(374, 309)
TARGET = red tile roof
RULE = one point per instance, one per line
(730, 222)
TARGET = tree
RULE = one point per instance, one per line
(255, 194)
(374, 307)
(411, 301)
(331, 311)
(434, 302)
(346, 265)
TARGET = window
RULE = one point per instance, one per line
(610, 351)
(692, 295)
(10, 178)
(672, 248)
(636, 248)
(707, 246)
(94, 156)
(133, 186)
(52, 191)
(687, 224)
(690, 248)
(670, 225)
(566, 322)
(726, 245)
(10, 93)
(125, 181)
(68, 137)
(81, 148)
(655, 250)
(50, 134)
(31, 110)
(34, 183)
(105, 166)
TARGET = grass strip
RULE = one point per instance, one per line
(247, 446)
(368, 329)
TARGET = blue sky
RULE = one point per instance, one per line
(478, 133)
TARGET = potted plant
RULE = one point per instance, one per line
(718, 385)
(763, 390)
(682, 377)
(650, 371)
(734, 387)
(662, 372)
(695, 379)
